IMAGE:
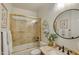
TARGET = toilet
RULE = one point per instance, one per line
(36, 52)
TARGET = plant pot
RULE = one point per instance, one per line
(51, 44)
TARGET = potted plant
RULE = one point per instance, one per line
(51, 39)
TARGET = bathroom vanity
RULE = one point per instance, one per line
(47, 50)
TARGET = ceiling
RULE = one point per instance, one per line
(29, 6)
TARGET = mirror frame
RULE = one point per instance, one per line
(55, 27)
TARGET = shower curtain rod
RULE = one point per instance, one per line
(23, 16)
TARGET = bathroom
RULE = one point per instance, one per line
(39, 29)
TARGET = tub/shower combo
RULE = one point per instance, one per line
(26, 33)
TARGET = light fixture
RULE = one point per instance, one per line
(60, 5)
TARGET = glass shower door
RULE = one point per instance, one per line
(24, 31)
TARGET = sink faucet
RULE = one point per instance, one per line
(62, 48)
(68, 52)
(59, 48)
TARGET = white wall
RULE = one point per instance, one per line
(24, 12)
(49, 13)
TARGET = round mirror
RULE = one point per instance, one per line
(66, 24)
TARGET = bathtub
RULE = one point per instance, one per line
(26, 48)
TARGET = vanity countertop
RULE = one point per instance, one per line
(46, 49)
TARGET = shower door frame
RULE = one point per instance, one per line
(23, 16)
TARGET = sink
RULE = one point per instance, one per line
(51, 51)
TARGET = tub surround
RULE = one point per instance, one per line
(26, 48)
(32, 30)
